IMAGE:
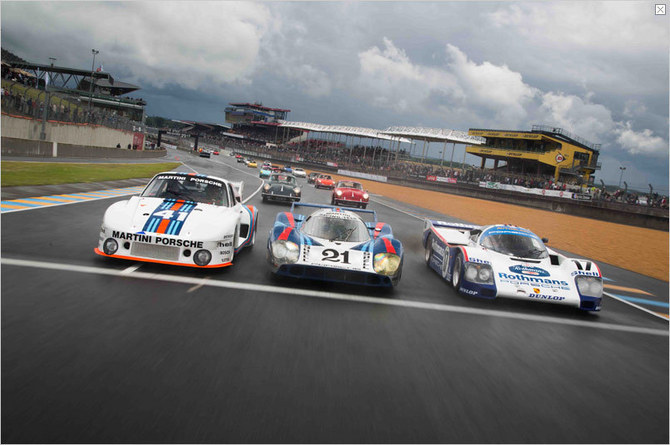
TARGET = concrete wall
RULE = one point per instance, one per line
(66, 133)
(43, 149)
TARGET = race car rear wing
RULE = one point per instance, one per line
(325, 206)
(450, 225)
(451, 233)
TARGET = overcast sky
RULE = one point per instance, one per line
(597, 69)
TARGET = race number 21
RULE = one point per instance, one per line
(335, 256)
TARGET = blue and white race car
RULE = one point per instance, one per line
(334, 244)
(511, 262)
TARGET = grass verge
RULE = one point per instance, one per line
(45, 173)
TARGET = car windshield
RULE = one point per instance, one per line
(188, 188)
(515, 244)
(325, 177)
(336, 226)
(349, 185)
(284, 179)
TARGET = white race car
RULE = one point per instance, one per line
(299, 173)
(509, 261)
(181, 219)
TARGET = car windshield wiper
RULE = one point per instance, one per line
(346, 236)
(534, 251)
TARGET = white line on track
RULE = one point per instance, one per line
(636, 306)
(131, 269)
(385, 203)
(273, 290)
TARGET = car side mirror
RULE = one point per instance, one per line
(545, 240)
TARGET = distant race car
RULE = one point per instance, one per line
(281, 187)
(215, 152)
(180, 219)
(324, 182)
(252, 164)
(205, 154)
(287, 168)
(350, 193)
(264, 172)
(240, 158)
(511, 262)
(299, 173)
(312, 177)
(334, 244)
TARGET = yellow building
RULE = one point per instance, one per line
(544, 150)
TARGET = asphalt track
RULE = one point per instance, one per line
(99, 350)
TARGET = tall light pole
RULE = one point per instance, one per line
(621, 176)
(47, 100)
(90, 92)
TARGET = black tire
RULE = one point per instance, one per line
(265, 199)
(457, 274)
(363, 206)
(429, 250)
(332, 201)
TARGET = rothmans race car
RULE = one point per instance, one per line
(180, 219)
(511, 262)
(334, 244)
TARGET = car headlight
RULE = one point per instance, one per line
(285, 251)
(386, 263)
(338, 192)
(366, 196)
(110, 246)
(266, 187)
(589, 286)
(202, 257)
(479, 273)
(296, 190)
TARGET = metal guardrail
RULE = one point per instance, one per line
(557, 130)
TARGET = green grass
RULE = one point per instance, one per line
(46, 173)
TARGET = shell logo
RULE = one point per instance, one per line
(560, 158)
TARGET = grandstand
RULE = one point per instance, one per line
(543, 151)
(259, 123)
(74, 84)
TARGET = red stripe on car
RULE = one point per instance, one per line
(284, 235)
(389, 245)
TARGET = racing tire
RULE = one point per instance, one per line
(332, 202)
(429, 250)
(363, 206)
(265, 199)
(457, 274)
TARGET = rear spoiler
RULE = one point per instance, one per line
(451, 225)
(325, 206)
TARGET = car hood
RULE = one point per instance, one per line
(516, 275)
(348, 190)
(178, 218)
(279, 187)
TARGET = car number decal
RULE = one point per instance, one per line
(341, 259)
(169, 217)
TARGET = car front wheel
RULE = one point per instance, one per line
(457, 274)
